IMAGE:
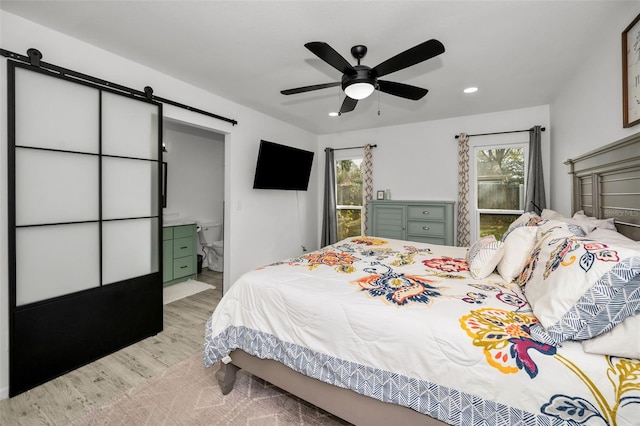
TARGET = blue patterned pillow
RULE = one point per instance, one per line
(579, 288)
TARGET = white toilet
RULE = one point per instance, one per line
(210, 237)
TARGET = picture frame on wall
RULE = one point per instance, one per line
(631, 74)
(380, 195)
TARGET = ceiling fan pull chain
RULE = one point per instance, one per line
(378, 87)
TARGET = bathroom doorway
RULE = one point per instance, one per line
(195, 161)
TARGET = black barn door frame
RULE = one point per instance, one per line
(51, 337)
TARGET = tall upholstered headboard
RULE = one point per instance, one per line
(606, 183)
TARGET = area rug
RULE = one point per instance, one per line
(188, 394)
(183, 289)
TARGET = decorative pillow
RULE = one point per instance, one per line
(608, 236)
(517, 248)
(483, 256)
(586, 226)
(551, 215)
(525, 219)
(596, 223)
(546, 231)
(579, 288)
(623, 340)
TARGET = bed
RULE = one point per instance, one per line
(382, 331)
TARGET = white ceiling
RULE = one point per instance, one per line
(519, 53)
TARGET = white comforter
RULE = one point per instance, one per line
(404, 322)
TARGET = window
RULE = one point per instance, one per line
(499, 186)
(349, 197)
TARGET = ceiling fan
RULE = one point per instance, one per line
(360, 81)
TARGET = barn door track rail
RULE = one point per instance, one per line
(34, 58)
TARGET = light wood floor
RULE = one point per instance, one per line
(68, 397)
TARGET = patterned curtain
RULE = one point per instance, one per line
(329, 218)
(463, 191)
(535, 197)
(368, 185)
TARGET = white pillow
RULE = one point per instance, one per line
(517, 248)
(551, 215)
(597, 223)
(623, 340)
(483, 256)
(586, 225)
(614, 238)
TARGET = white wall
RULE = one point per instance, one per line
(260, 220)
(420, 161)
(195, 178)
(587, 113)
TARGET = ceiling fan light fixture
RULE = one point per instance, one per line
(359, 91)
(360, 81)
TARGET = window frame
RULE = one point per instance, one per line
(475, 212)
(342, 157)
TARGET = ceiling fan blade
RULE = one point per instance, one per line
(348, 105)
(309, 88)
(409, 57)
(403, 90)
(325, 52)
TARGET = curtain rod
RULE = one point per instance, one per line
(500, 133)
(351, 147)
(34, 59)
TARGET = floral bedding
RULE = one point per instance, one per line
(405, 322)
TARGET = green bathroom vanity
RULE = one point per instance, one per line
(179, 248)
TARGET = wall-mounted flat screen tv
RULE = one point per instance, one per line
(282, 167)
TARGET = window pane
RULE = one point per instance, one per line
(500, 176)
(66, 113)
(129, 127)
(129, 249)
(349, 193)
(495, 224)
(349, 223)
(349, 182)
(53, 187)
(55, 260)
(129, 188)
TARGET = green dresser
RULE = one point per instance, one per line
(178, 254)
(423, 221)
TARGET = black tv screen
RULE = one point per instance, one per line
(282, 167)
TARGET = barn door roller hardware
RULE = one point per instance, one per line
(34, 58)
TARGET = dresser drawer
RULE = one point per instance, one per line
(425, 228)
(183, 231)
(441, 241)
(182, 267)
(182, 247)
(434, 212)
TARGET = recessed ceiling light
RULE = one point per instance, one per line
(333, 114)
(470, 90)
